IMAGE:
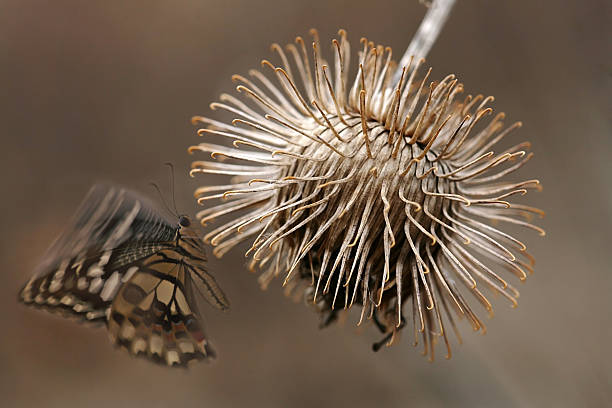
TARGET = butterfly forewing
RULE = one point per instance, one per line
(112, 228)
(122, 263)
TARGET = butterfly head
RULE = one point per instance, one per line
(184, 221)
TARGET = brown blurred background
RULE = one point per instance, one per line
(104, 90)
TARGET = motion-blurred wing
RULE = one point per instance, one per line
(83, 270)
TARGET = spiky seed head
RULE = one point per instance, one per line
(368, 192)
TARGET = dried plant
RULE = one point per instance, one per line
(378, 191)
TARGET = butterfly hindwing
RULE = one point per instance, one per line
(154, 315)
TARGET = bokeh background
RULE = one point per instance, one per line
(104, 90)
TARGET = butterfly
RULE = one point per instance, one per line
(122, 263)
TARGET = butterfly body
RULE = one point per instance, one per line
(122, 263)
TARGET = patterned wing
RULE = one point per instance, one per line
(154, 314)
(83, 270)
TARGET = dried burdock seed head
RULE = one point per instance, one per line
(367, 191)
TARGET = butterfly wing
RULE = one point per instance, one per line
(154, 314)
(84, 268)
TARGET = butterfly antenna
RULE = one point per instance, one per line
(172, 184)
(161, 196)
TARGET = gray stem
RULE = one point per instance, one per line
(426, 35)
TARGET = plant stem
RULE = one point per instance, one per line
(426, 35)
